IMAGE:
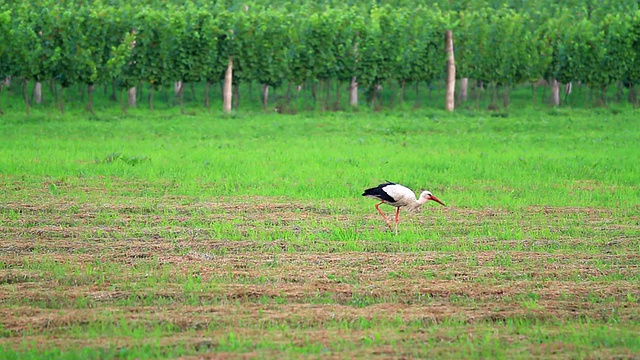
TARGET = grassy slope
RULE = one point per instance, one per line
(159, 235)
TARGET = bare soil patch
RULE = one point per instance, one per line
(68, 268)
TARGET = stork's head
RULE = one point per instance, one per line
(427, 195)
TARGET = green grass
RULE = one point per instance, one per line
(155, 235)
(528, 160)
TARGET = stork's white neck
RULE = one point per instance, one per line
(422, 200)
(417, 203)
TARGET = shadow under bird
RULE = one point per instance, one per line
(398, 196)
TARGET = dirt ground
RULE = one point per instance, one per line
(66, 266)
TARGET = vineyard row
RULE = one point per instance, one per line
(127, 46)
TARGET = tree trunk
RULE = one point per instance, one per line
(476, 89)
(336, 105)
(587, 90)
(150, 98)
(227, 94)
(298, 89)
(1, 90)
(54, 90)
(287, 95)
(494, 95)
(265, 96)
(555, 92)
(236, 96)
(632, 95)
(181, 97)
(451, 72)
(314, 92)
(140, 92)
(375, 98)
(37, 92)
(165, 93)
(567, 91)
(464, 86)
(207, 90)
(533, 95)
(177, 85)
(320, 87)
(90, 90)
(62, 99)
(353, 92)
(620, 92)
(326, 99)
(5, 82)
(122, 103)
(131, 97)
(505, 96)
(113, 91)
(26, 96)
(401, 100)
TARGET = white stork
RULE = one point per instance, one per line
(399, 196)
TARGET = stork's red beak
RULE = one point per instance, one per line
(436, 200)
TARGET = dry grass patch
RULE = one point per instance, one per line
(284, 275)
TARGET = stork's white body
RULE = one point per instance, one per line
(402, 197)
(398, 196)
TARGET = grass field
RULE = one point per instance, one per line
(159, 235)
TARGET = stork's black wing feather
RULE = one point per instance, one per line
(379, 193)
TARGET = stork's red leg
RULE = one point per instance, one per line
(397, 215)
(381, 213)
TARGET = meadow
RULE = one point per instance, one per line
(155, 234)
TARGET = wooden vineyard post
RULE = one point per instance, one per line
(555, 92)
(227, 93)
(131, 97)
(464, 86)
(451, 72)
(353, 92)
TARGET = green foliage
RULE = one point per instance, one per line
(31, 47)
(497, 46)
(503, 43)
(5, 37)
(633, 71)
(422, 54)
(320, 38)
(266, 53)
(350, 26)
(189, 43)
(619, 51)
(73, 39)
(553, 40)
(149, 56)
(582, 52)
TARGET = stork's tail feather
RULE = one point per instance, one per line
(370, 192)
